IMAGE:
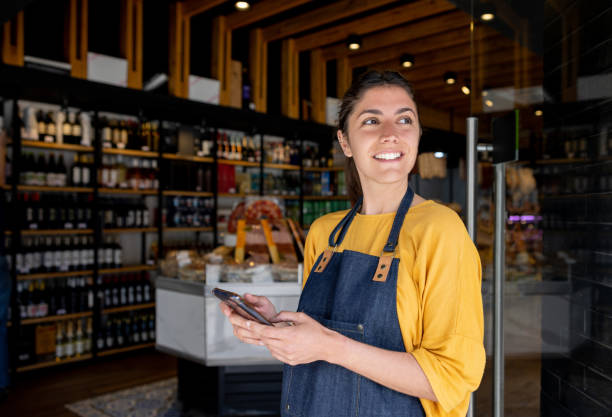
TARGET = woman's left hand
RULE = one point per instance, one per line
(304, 342)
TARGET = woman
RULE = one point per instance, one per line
(390, 318)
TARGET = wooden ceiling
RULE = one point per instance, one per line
(435, 32)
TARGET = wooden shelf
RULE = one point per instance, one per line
(323, 169)
(602, 194)
(560, 161)
(130, 152)
(131, 230)
(188, 193)
(128, 308)
(285, 197)
(57, 318)
(133, 268)
(326, 197)
(240, 195)
(54, 363)
(43, 188)
(125, 349)
(239, 163)
(189, 158)
(188, 229)
(287, 167)
(127, 191)
(57, 146)
(50, 232)
(49, 275)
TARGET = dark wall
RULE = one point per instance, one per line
(577, 208)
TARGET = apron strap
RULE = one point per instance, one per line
(399, 220)
(344, 225)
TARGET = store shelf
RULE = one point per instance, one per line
(43, 188)
(63, 317)
(133, 268)
(125, 349)
(54, 363)
(128, 308)
(188, 229)
(239, 163)
(189, 158)
(56, 146)
(326, 197)
(131, 230)
(52, 232)
(603, 194)
(560, 161)
(49, 275)
(127, 191)
(284, 197)
(287, 167)
(239, 195)
(323, 169)
(130, 152)
(188, 193)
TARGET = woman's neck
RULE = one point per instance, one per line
(382, 198)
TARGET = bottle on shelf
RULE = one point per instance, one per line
(60, 340)
(69, 346)
(79, 340)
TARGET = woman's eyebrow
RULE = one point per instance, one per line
(376, 111)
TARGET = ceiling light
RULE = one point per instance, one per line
(488, 103)
(487, 12)
(450, 77)
(466, 88)
(353, 42)
(407, 60)
(439, 155)
(242, 5)
(538, 112)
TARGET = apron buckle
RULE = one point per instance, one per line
(325, 258)
(384, 264)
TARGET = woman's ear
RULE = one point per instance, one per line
(343, 140)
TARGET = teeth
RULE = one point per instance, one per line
(388, 156)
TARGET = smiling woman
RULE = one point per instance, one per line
(390, 318)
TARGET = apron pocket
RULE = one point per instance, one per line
(321, 388)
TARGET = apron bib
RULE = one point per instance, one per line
(354, 294)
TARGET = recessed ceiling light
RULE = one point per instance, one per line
(450, 77)
(242, 5)
(488, 103)
(538, 112)
(439, 155)
(407, 60)
(487, 12)
(353, 42)
(466, 88)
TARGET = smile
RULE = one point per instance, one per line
(388, 156)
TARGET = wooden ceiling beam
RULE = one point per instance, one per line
(260, 11)
(457, 19)
(318, 86)
(424, 49)
(193, 7)
(75, 41)
(320, 16)
(290, 88)
(258, 62)
(13, 41)
(178, 51)
(221, 57)
(131, 40)
(379, 21)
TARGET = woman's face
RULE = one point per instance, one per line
(383, 135)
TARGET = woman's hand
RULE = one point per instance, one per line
(304, 342)
(240, 324)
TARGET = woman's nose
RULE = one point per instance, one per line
(388, 136)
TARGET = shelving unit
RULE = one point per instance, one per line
(323, 169)
(32, 85)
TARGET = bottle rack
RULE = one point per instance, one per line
(96, 98)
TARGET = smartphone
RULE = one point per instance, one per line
(240, 306)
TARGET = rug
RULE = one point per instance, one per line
(158, 399)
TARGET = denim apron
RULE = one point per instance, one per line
(354, 294)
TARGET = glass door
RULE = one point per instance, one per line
(548, 65)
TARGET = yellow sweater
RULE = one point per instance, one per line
(439, 303)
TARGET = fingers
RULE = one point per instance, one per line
(255, 300)
(291, 316)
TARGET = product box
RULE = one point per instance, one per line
(107, 69)
(332, 105)
(203, 89)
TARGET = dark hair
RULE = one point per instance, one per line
(352, 96)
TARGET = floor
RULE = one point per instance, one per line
(44, 393)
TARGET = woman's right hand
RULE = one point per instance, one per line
(241, 325)
(262, 305)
